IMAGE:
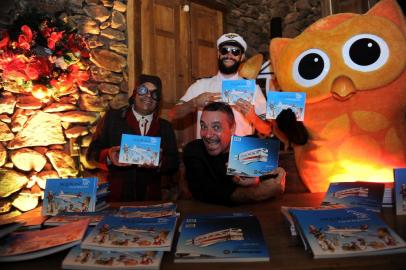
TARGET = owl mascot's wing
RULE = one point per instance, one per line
(352, 69)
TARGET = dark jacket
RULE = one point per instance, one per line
(133, 183)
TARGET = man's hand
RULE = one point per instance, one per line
(246, 109)
(113, 155)
(205, 98)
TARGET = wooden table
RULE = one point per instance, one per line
(286, 251)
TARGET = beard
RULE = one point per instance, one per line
(228, 70)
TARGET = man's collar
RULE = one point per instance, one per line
(140, 116)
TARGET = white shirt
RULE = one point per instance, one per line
(213, 85)
(141, 121)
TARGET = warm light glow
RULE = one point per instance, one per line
(361, 172)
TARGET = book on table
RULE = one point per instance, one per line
(69, 195)
(278, 101)
(64, 218)
(353, 194)
(19, 246)
(221, 238)
(32, 219)
(114, 233)
(346, 232)
(252, 157)
(79, 258)
(135, 149)
(232, 90)
(400, 190)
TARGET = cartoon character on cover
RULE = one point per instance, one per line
(352, 69)
(161, 237)
(103, 234)
(385, 235)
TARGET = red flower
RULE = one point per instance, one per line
(5, 39)
(54, 38)
(76, 75)
(25, 38)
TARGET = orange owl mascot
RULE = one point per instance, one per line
(352, 69)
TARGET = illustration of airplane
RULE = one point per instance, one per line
(68, 197)
(133, 232)
(247, 157)
(204, 240)
(346, 232)
(359, 192)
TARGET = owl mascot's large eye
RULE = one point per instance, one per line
(310, 67)
(365, 52)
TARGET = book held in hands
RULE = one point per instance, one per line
(232, 90)
(69, 195)
(141, 150)
(278, 101)
(252, 157)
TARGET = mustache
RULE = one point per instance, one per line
(211, 140)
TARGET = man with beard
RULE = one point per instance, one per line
(231, 49)
(206, 164)
(129, 182)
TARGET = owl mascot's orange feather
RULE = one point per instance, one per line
(352, 69)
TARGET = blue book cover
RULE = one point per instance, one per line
(232, 90)
(346, 232)
(91, 259)
(278, 101)
(400, 190)
(251, 156)
(221, 239)
(148, 211)
(64, 218)
(69, 195)
(135, 149)
(114, 233)
(353, 194)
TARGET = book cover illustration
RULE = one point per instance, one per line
(95, 259)
(252, 156)
(69, 195)
(346, 232)
(400, 190)
(232, 90)
(32, 244)
(353, 194)
(148, 211)
(278, 101)
(131, 234)
(140, 150)
(221, 239)
(64, 218)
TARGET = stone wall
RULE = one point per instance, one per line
(42, 139)
(251, 19)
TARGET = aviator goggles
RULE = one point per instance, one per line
(143, 90)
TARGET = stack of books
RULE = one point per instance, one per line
(231, 237)
(133, 238)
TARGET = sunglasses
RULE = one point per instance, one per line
(142, 91)
(227, 50)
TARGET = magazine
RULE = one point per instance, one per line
(64, 218)
(232, 90)
(278, 101)
(353, 194)
(148, 211)
(20, 246)
(400, 190)
(252, 157)
(32, 219)
(69, 195)
(346, 232)
(140, 150)
(95, 259)
(221, 238)
(9, 227)
(131, 234)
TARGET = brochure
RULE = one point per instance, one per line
(252, 157)
(148, 211)
(352, 194)
(232, 90)
(64, 218)
(69, 195)
(140, 150)
(95, 259)
(400, 190)
(131, 234)
(222, 238)
(278, 101)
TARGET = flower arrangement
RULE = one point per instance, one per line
(42, 58)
